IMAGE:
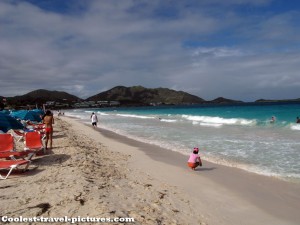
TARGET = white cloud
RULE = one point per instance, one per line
(128, 43)
(217, 52)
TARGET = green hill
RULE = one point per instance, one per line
(138, 95)
(222, 100)
(126, 96)
(42, 96)
(274, 101)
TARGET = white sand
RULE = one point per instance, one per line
(101, 174)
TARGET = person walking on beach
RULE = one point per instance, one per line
(194, 159)
(94, 120)
(297, 120)
(48, 120)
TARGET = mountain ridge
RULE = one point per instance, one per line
(41, 96)
(127, 96)
(146, 96)
(270, 101)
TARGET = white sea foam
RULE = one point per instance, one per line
(206, 120)
(247, 167)
(168, 121)
(295, 127)
(136, 116)
(103, 114)
(211, 124)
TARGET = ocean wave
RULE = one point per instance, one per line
(218, 121)
(103, 114)
(257, 169)
(168, 120)
(135, 116)
(211, 124)
(295, 126)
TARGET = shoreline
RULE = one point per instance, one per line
(131, 141)
(212, 163)
(263, 158)
(270, 199)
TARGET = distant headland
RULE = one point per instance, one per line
(117, 96)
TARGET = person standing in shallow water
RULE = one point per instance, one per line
(273, 119)
(48, 120)
(94, 120)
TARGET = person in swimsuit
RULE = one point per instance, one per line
(194, 159)
(48, 121)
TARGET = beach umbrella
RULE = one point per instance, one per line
(7, 122)
(5, 111)
(26, 115)
(40, 112)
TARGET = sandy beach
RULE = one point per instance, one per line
(97, 173)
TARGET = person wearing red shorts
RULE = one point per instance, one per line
(48, 121)
(194, 159)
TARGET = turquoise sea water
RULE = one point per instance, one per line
(234, 135)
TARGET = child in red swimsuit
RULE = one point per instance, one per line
(194, 159)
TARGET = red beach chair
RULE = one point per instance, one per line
(6, 142)
(33, 141)
(7, 148)
(11, 165)
(18, 135)
(36, 126)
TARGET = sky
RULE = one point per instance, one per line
(238, 49)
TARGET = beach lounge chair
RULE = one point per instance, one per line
(6, 142)
(11, 165)
(36, 126)
(43, 133)
(18, 134)
(7, 148)
(40, 127)
(33, 141)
